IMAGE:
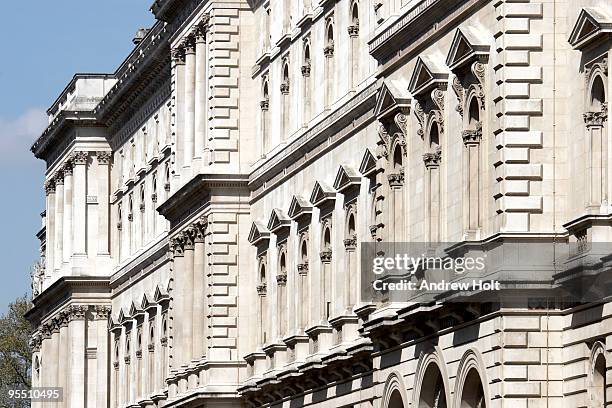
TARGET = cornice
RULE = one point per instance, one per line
(194, 195)
(65, 289)
(70, 87)
(297, 152)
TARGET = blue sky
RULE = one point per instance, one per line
(43, 44)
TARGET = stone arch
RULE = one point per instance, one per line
(37, 366)
(434, 133)
(471, 383)
(329, 32)
(431, 381)
(326, 235)
(473, 107)
(394, 393)
(597, 92)
(597, 376)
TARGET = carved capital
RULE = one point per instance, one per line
(189, 45)
(472, 137)
(178, 55)
(396, 179)
(353, 30)
(78, 312)
(351, 243)
(432, 160)
(58, 177)
(67, 168)
(306, 70)
(262, 289)
(154, 197)
(328, 51)
(284, 88)
(49, 186)
(80, 158)
(189, 238)
(101, 312)
(264, 104)
(592, 119)
(281, 279)
(151, 348)
(103, 157)
(176, 246)
(164, 341)
(326, 256)
(303, 269)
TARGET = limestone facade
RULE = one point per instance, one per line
(207, 201)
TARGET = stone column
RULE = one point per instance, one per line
(67, 230)
(328, 52)
(178, 319)
(63, 361)
(471, 141)
(325, 285)
(597, 167)
(432, 171)
(50, 229)
(199, 290)
(54, 355)
(178, 68)
(80, 203)
(190, 78)
(59, 219)
(200, 91)
(46, 373)
(303, 305)
(77, 356)
(350, 245)
(103, 202)
(102, 385)
(353, 32)
(187, 312)
(306, 90)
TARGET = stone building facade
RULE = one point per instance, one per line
(206, 204)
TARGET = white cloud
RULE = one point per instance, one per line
(18, 134)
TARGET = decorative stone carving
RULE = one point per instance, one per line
(67, 168)
(472, 137)
(600, 66)
(353, 30)
(592, 119)
(326, 256)
(189, 44)
(328, 51)
(432, 159)
(59, 177)
(262, 289)
(459, 91)
(302, 269)
(281, 279)
(350, 243)
(78, 312)
(80, 158)
(50, 186)
(478, 69)
(264, 104)
(284, 88)
(101, 312)
(396, 179)
(178, 55)
(103, 157)
(306, 70)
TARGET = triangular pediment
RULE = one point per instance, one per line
(321, 193)
(278, 220)
(258, 232)
(368, 163)
(134, 310)
(124, 317)
(469, 44)
(346, 177)
(592, 22)
(299, 206)
(392, 97)
(428, 72)
(160, 295)
(145, 303)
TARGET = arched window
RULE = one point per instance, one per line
(265, 122)
(281, 280)
(353, 31)
(285, 99)
(328, 52)
(395, 401)
(473, 118)
(307, 83)
(326, 278)
(37, 368)
(434, 137)
(397, 159)
(597, 383)
(433, 394)
(598, 94)
(472, 394)
(263, 305)
(167, 180)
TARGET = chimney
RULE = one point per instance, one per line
(140, 35)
